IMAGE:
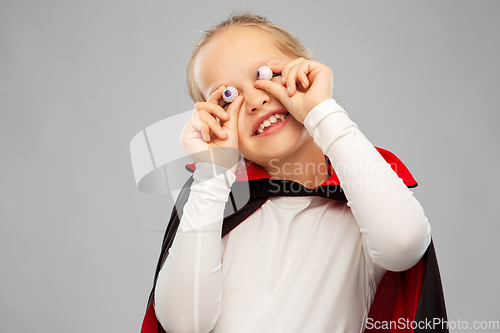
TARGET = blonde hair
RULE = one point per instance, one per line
(284, 41)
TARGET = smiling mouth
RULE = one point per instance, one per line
(270, 122)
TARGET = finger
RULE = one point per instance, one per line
(302, 72)
(287, 68)
(277, 69)
(291, 80)
(200, 126)
(197, 128)
(315, 68)
(205, 131)
(195, 123)
(214, 109)
(234, 109)
(298, 77)
(212, 124)
(275, 89)
(216, 97)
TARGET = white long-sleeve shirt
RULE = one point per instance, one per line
(297, 264)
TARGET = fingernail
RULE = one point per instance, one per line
(288, 89)
(222, 131)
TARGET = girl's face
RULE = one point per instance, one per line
(232, 59)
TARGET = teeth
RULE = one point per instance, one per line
(271, 120)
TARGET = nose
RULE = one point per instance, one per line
(255, 99)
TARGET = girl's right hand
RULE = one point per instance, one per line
(204, 140)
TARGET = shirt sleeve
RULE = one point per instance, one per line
(189, 286)
(394, 228)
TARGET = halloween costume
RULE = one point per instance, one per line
(346, 273)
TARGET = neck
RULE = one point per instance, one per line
(306, 166)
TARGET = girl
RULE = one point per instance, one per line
(297, 262)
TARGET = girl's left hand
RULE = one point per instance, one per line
(304, 84)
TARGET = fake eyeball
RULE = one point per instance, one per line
(229, 94)
(265, 73)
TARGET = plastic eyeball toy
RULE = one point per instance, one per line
(229, 94)
(265, 73)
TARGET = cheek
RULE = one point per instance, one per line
(244, 123)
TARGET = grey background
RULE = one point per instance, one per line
(78, 79)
